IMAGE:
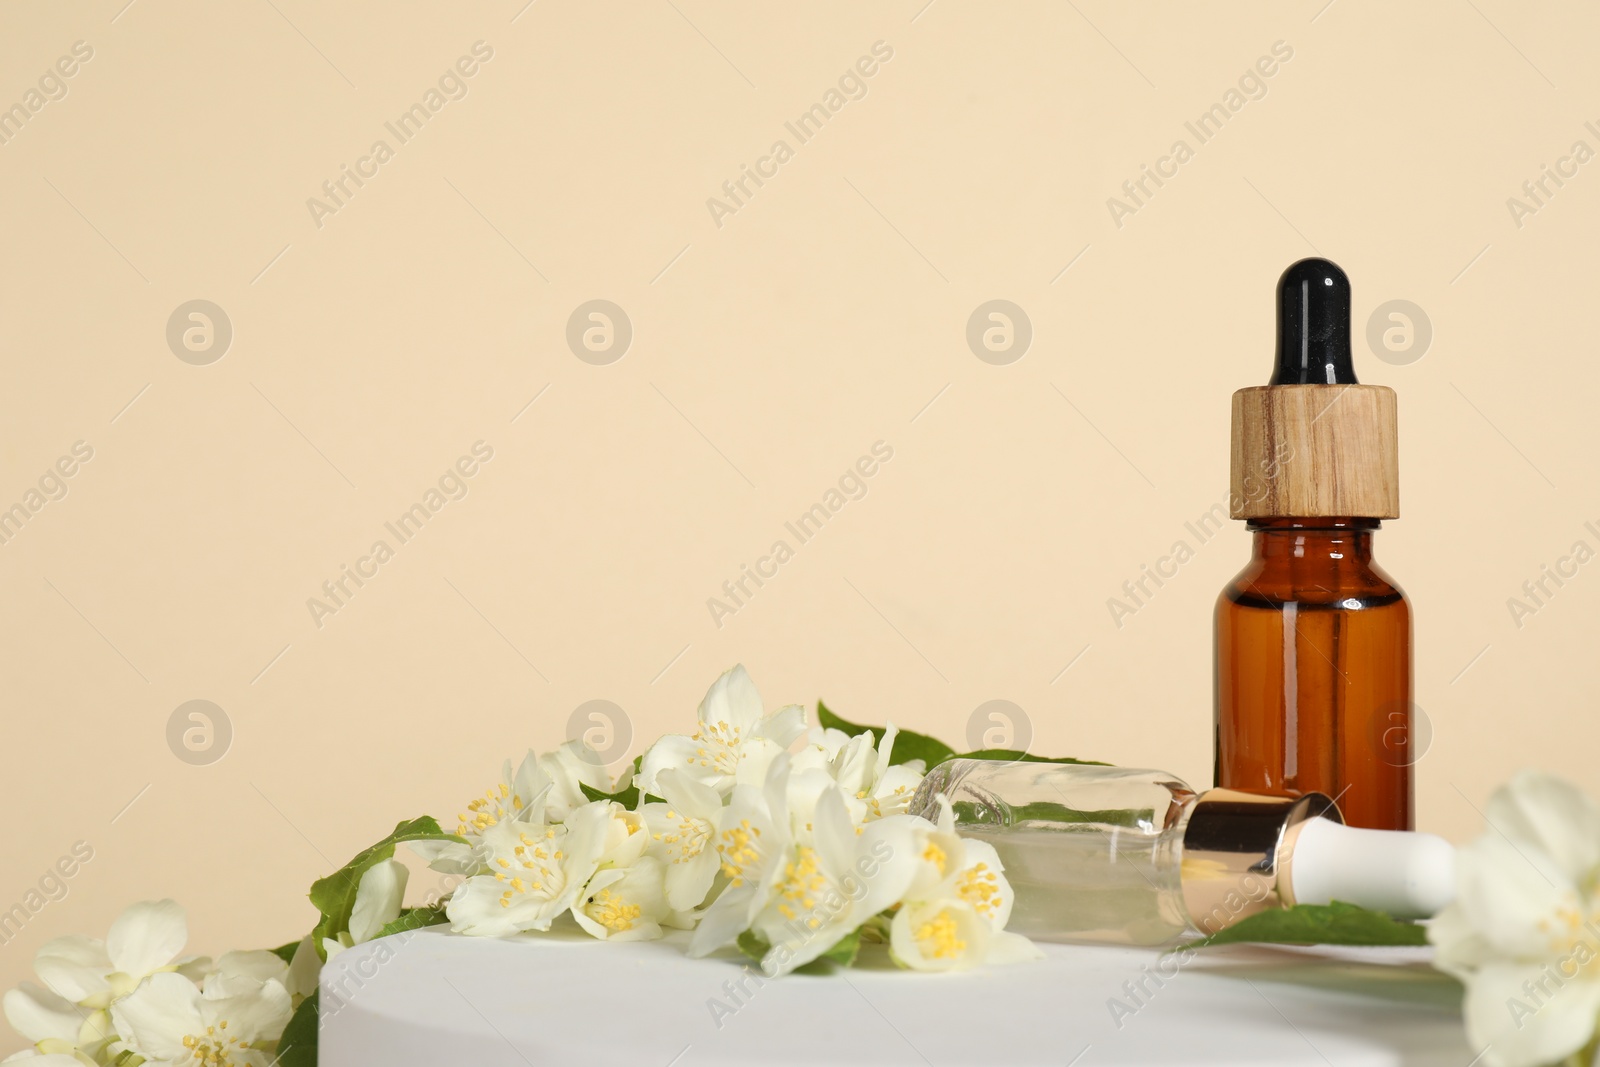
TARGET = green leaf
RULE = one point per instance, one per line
(286, 952)
(844, 953)
(298, 1045)
(335, 895)
(753, 945)
(908, 744)
(628, 798)
(830, 721)
(1013, 755)
(1049, 812)
(415, 919)
(876, 929)
(1319, 924)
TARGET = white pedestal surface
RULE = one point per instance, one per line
(434, 998)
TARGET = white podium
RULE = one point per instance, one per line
(436, 999)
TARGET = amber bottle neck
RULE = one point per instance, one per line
(1314, 538)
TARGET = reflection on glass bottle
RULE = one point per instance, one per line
(1128, 856)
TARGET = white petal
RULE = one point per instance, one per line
(154, 1018)
(531, 785)
(854, 765)
(475, 909)
(304, 969)
(756, 756)
(939, 855)
(586, 764)
(687, 795)
(899, 779)
(689, 874)
(775, 791)
(783, 726)
(257, 964)
(256, 1016)
(811, 757)
(1552, 814)
(626, 837)
(448, 857)
(1519, 1031)
(887, 863)
(996, 906)
(792, 949)
(805, 789)
(639, 931)
(639, 886)
(585, 838)
(147, 937)
(588, 925)
(967, 948)
(95, 1028)
(886, 748)
(827, 742)
(603, 879)
(38, 1014)
(677, 752)
(726, 918)
(242, 972)
(624, 779)
(1508, 900)
(644, 885)
(1459, 949)
(689, 882)
(1007, 947)
(378, 899)
(76, 948)
(732, 699)
(74, 967)
(194, 968)
(570, 767)
(834, 834)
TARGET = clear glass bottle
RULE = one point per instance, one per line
(1136, 857)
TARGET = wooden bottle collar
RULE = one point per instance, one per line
(1315, 450)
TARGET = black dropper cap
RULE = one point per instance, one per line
(1314, 326)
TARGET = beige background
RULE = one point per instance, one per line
(768, 354)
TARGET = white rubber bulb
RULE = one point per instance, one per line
(1408, 875)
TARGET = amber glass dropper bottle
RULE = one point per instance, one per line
(1313, 640)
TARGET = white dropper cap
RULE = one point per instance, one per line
(1408, 875)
